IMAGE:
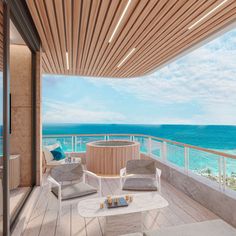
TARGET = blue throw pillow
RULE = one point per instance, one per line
(58, 154)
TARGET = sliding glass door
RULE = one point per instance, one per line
(20, 161)
(4, 119)
(1, 119)
(19, 43)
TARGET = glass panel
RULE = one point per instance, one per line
(231, 173)
(175, 154)
(1, 139)
(1, 119)
(20, 171)
(156, 148)
(82, 140)
(1, 150)
(143, 143)
(117, 137)
(65, 142)
(204, 164)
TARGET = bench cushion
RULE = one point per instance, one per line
(47, 152)
(140, 184)
(74, 190)
(55, 163)
(58, 154)
(206, 228)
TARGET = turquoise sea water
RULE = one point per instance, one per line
(222, 138)
(210, 136)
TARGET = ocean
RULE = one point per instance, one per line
(218, 137)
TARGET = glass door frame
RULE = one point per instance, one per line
(18, 12)
(6, 117)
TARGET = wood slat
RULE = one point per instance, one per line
(106, 46)
(90, 31)
(104, 5)
(42, 34)
(68, 25)
(75, 32)
(108, 14)
(185, 40)
(158, 29)
(43, 14)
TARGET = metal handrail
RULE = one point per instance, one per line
(219, 153)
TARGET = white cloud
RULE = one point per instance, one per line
(61, 112)
(206, 77)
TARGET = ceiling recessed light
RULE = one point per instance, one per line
(67, 61)
(126, 57)
(201, 19)
(121, 17)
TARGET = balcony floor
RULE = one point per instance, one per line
(43, 221)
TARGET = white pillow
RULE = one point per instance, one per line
(47, 151)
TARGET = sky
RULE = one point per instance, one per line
(199, 88)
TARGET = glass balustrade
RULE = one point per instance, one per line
(200, 162)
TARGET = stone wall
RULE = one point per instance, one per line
(221, 204)
(21, 109)
(39, 170)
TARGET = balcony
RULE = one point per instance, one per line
(179, 162)
(181, 210)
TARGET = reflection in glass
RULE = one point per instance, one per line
(20, 177)
(1, 117)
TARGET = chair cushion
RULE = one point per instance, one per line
(71, 191)
(67, 172)
(207, 228)
(58, 154)
(141, 167)
(140, 184)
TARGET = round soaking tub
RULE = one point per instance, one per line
(108, 157)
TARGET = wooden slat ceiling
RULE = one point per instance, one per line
(1, 36)
(158, 30)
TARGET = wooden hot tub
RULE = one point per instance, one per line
(108, 157)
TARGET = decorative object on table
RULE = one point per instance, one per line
(131, 198)
(116, 202)
(101, 205)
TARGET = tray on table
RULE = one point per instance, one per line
(121, 203)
